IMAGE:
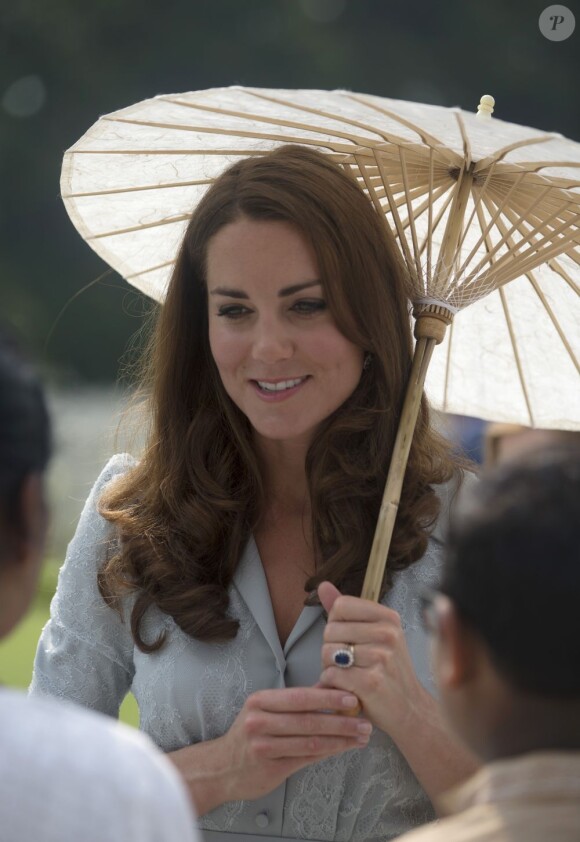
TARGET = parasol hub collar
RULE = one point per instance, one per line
(432, 321)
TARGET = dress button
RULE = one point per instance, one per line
(262, 819)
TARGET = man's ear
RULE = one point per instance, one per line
(22, 550)
(29, 536)
(455, 646)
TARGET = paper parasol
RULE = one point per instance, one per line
(485, 213)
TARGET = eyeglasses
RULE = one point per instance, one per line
(428, 610)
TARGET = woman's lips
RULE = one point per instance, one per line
(275, 396)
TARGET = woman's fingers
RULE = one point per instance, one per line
(307, 724)
(383, 633)
(357, 610)
(365, 655)
(297, 723)
(300, 699)
(278, 732)
(382, 674)
(310, 747)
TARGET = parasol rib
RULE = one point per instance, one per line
(467, 226)
(537, 253)
(143, 227)
(518, 361)
(564, 275)
(396, 218)
(427, 138)
(502, 242)
(541, 220)
(513, 217)
(388, 137)
(539, 292)
(505, 150)
(279, 121)
(411, 217)
(453, 228)
(123, 190)
(245, 153)
(252, 135)
(416, 192)
(511, 264)
(448, 367)
(428, 239)
(466, 143)
(151, 269)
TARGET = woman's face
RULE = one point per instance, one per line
(281, 358)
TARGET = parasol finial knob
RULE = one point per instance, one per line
(485, 107)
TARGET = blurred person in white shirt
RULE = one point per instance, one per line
(66, 774)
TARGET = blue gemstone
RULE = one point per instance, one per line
(342, 659)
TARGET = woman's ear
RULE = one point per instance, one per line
(455, 647)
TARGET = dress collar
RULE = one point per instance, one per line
(250, 582)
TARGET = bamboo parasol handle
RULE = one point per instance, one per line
(390, 504)
(430, 329)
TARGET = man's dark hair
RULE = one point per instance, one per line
(25, 439)
(513, 569)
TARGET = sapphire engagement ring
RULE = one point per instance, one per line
(344, 658)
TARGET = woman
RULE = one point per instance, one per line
(276, 374)
(118, 788)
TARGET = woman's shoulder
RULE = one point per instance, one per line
(117, 465)
(94, 532)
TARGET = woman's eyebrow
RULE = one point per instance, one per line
(238, 293)
(297, 288)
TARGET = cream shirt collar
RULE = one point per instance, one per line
(534, 776)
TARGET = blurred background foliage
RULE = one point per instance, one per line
(65, 62)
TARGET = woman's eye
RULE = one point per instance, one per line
(232, 311)
(308, 307)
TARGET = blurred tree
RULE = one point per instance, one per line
(63, 63)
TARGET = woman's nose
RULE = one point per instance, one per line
(272, 341)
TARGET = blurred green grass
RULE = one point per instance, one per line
(18, 649)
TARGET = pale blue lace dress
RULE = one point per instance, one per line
(191, 691)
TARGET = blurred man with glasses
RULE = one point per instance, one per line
(505, 626)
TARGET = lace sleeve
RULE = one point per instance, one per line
(85, 652)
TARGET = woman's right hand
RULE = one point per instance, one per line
(276, 733)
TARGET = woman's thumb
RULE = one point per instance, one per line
(327, 594)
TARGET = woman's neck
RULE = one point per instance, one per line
(284, 477)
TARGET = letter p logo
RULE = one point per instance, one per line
(557, 23)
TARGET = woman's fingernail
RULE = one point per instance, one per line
(365, 728)
(349, 701)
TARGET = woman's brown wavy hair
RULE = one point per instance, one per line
(185, 513)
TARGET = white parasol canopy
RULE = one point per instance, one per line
(486, 215)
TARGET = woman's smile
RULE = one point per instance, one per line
(280, 390)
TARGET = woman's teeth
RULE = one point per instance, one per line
(279, 387)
